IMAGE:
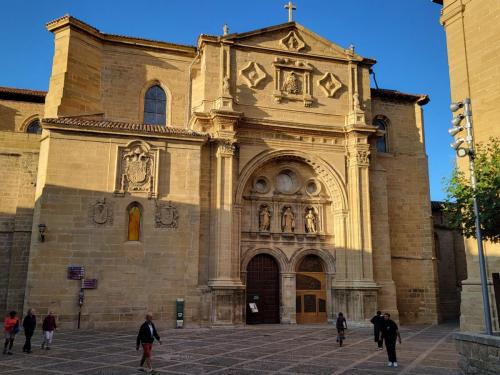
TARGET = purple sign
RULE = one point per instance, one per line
(89, 283)
(76, 272)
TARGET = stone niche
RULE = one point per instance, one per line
(285, 199)
(292, 80)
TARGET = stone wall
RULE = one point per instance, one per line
(78, 171)
(471, 25)
(15, 115)
(478, 354)
(401, 180)
(18, 163)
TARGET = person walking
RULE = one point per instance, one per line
(389, 332)
(341, 325)
(377, 321)
(147, 335)
(10, 329)
(48, 327)
(29, 325)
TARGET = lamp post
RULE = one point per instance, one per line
(465, 147)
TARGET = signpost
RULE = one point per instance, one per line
(78, 273)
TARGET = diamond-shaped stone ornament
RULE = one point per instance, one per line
(329, 84)
(253, 74)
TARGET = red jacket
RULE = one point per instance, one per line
(49, 323)
(9, 324)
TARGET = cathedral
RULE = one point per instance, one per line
(255, 176)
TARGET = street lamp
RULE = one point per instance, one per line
(462, 151)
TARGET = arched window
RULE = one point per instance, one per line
(134, 222)
(155, 106)
(382, 125)
(34, 127)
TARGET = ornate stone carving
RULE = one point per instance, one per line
(166, 215)
(226, 147)
(287, 220)
(253, 74)
(100, 212)
(329, 84)
(292, 81)
(292, 84)
(293, 42)
(137, 169)
(264, 219)
(311, 221)
(359, 157)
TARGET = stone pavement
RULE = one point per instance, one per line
(256, 350)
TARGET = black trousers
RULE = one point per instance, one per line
(390, 345)
(27, 343)
(378, 340)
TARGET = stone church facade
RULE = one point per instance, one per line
(255, 170)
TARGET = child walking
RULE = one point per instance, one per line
(10, 328)
(48, 327)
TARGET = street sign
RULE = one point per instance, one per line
(76, 272)
(89, 284)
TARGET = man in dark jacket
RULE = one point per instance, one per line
(377, 322)
(389, 331)
(146, 337)
(29, 325)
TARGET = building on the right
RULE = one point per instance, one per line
(473, 40)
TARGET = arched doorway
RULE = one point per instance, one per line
(311, 291)
(263, 289)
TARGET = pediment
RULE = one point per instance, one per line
(292, 37)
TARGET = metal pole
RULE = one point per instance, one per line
(482, 263)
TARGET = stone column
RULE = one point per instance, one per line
(288, 294)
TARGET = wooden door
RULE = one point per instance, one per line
(310, 285)
(263, 290)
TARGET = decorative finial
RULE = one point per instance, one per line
(351, 48)
(225, 29)
(290, 8)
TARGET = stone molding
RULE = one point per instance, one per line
(293, 42)
(253, 74)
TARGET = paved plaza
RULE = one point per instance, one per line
(259, 350)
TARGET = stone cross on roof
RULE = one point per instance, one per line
(290, 8)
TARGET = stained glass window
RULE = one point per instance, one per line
(381, 124)
(134, 223)
(34, 127)
(155, 106)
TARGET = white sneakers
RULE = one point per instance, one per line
(395, 364)
(389, 364)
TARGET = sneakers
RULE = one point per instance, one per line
(395, 364)
(389, 364)
(380, 348)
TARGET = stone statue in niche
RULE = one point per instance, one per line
(264, 219)
(288, 220)
(292, 84)
(225, 85)
(310, 221)
(100, 213)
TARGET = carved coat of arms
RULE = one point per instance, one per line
(137, 167)
(166, 215)
(100, 212)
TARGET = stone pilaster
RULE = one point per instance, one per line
(224, 277)
(359, 244)
(288, 295)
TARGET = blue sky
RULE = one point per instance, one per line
(404, 36)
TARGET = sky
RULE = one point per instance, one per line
(404, 36)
